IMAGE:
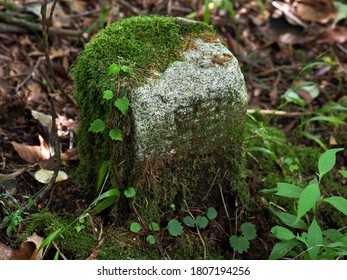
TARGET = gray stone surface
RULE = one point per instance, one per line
(196, 104)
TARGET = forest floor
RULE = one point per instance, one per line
(293, 56)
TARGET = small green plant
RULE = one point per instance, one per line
(313, 242)
(120, 103)
(12, 218)
(241, 243)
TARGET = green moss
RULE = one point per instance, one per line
(75, 245)
(145, 44)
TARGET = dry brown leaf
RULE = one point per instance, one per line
(321, 11)
(334, 35)
(5, 252)
(32, 154)
(28, 250)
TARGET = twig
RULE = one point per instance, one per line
(37, 27)
(277, 113)
(55, 140)
(198, 231)
(131, 7)
(32, 73)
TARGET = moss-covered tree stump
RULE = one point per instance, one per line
(182, 135)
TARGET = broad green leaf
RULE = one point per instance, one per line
(308, 198)
(129, 192)
(327, 161)
(122, 104)
(50, 238)
(113, 69)
(108, 198)
(249, 231)
(288, 190)
(282, 248)
(97, 126)
(107, 94)
(211, 213)
(174, 227)
(116, 134)
(290, 220)
(282, 233)
(153, 226)
(343, 173)
(201, 222)
(314, 239)
(109, 193)
(103, 174)
(239, 243)
(340, 203)
(151, 239)
(189, 221)
(135, 227)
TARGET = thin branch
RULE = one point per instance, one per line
(37, 27)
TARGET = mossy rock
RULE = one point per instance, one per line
(189, 157)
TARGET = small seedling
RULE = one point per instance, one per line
(241, 243)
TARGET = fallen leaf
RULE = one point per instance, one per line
(31, 154)
(28, 250)
(5, 252)
(334, 35)
(44, 176)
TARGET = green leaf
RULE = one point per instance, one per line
(153, 226)
(109, 193)
(129, 192)
(116, 134)
(201, 222)
(97, 126)
(211, 213)
(282, 248)
(314, 138)
(282, 233)
(288, 190)
(124, 68)
(174, 227)
(108, 198)
(113, 69)
(135, 227)
(50, 238)
(107, 94)
(340, 203)
(308, 198)
(189, 221)
(314, 239)
(104, 170)
(334, 120)
(327, 161)
(151, 239)
(343, 173)
(249, 231)
(239, 243)
(290, 220)
(122, 104)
